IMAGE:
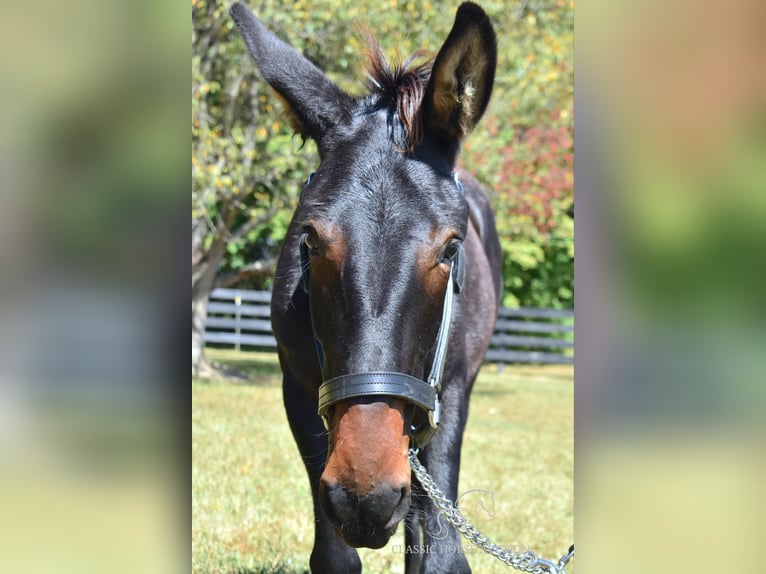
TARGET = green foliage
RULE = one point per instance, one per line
(244, 154)
(524, 152)
(246, 169)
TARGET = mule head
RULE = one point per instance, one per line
(377, 223)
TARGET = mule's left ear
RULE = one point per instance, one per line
(462, 76)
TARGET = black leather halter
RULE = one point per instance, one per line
(423, 395)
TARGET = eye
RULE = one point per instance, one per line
(311, 243)
(450, 251)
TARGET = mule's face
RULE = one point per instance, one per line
(377, 226)
(376, 222)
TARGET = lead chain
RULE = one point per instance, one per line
(525, 561)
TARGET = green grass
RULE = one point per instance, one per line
(251, 504)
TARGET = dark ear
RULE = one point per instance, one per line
(462, 76)
(315, 104)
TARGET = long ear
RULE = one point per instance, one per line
(315, 104)
(462, 77)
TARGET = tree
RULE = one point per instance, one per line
(246, 169)
(525, 153)
(241, 177)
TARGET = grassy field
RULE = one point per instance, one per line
(251, 504)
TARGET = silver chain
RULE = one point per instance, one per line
(525, 561)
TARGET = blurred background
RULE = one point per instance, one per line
(670, 182)
(671, 323)
(93, 184)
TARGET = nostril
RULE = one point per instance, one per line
(325, 502)
(401, 507)
(346, 509)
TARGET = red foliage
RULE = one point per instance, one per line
(536, 175)
(536, 184)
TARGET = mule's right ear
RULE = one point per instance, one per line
(315, 104)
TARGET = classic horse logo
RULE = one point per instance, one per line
(472, 503)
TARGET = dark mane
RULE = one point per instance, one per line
(399, 87)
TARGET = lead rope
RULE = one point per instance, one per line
(525, 561)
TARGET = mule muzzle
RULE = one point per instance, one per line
(368, 520)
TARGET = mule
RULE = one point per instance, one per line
(386, 288)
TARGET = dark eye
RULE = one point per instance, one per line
(311, 243)
(450, 251)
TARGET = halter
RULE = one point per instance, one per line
(423, 395)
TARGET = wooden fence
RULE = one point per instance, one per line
(530, 335)
(241, 318)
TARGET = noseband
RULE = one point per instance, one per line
(423, 395)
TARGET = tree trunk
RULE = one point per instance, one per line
(200, 365)
(203, 281)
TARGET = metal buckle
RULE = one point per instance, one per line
(435, 415)
(552, 567)
(565, 559)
